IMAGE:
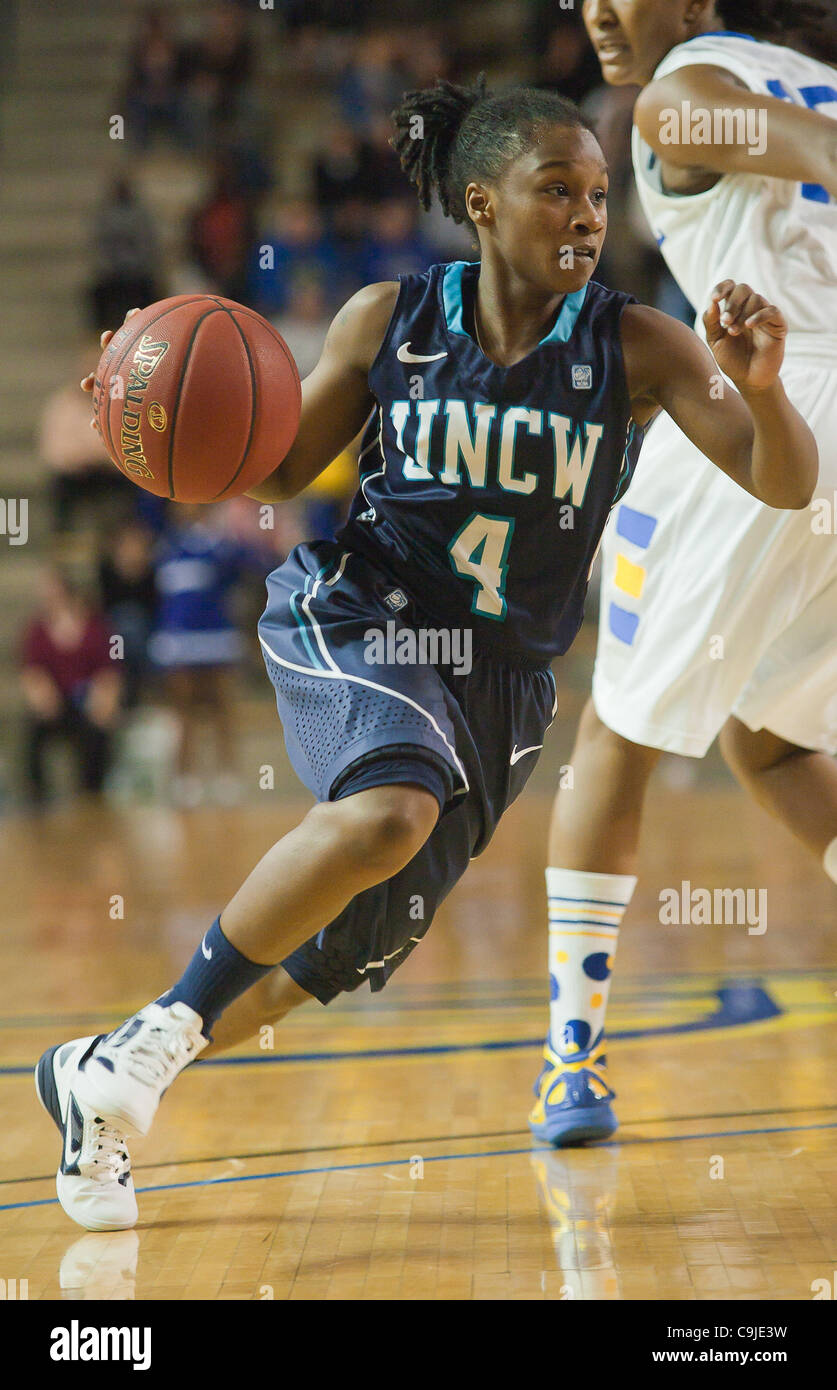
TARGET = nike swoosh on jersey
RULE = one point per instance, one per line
(404, 355)
(517, 753)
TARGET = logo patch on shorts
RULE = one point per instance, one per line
(582, 376)
(396, 600)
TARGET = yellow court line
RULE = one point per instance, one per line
(780, 1023)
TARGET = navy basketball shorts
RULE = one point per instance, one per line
(355, 717)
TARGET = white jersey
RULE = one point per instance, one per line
(778, 236)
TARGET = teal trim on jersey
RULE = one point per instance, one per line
(624, 472)
(567, 317)
(503, 566)
(452, 300)
(452, 296)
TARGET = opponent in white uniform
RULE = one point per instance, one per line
(712, 603)
(718, 613)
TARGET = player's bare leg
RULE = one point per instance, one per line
(595, 825)
(308, 877)
(268, 1002)
(797, 785)
(99, 1089)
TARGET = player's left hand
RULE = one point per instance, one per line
(87, 382)
(746, 334)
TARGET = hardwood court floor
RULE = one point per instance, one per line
(379, 1148)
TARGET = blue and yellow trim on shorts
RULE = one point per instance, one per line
(637, 528)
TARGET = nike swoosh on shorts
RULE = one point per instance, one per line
(517, 753)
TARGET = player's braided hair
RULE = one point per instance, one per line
(811, 23)
(448, 135)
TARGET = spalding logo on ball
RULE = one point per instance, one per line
(197, 398)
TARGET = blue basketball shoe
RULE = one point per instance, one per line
(572, 1104)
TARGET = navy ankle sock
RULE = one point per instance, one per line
(215, 976)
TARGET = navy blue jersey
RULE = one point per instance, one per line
(485, 489)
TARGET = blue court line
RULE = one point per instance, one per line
(533, 999)
(478, 994)
(435, 1158)
(739, 1005)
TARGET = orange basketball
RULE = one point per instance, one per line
(197, 398)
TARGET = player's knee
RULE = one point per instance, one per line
(750, 753)
(384, 827)
(733, 747)
(596, 737)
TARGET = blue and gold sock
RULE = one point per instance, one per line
(585, 914)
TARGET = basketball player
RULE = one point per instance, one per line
(718, 614)
(504, 403)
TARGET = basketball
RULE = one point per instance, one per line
(197, 398)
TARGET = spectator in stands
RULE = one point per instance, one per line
(305, 320)
(126, 256)
(372, 81)
(214, 74)
(340, 171)
(351, 232)
(565, 59)
(221, 232)
(196, 644)
(296, 246)
(70, 685)
(151, 94)
(383, 175)
(396, 247)
(83, 483)
(424, 56)
(129, 596)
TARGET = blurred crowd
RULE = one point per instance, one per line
(291, 222)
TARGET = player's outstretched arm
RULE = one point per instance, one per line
(753, 433)
(792, 141)
(336, 399)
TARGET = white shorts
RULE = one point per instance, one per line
(713, 604)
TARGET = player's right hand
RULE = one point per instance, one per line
(87, 382)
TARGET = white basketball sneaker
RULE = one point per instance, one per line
(93, 1181)
(127, 1072)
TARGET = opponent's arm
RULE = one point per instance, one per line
(756, 437)
(799, 144)
(336, 399)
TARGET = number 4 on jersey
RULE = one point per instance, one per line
(479, 551)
